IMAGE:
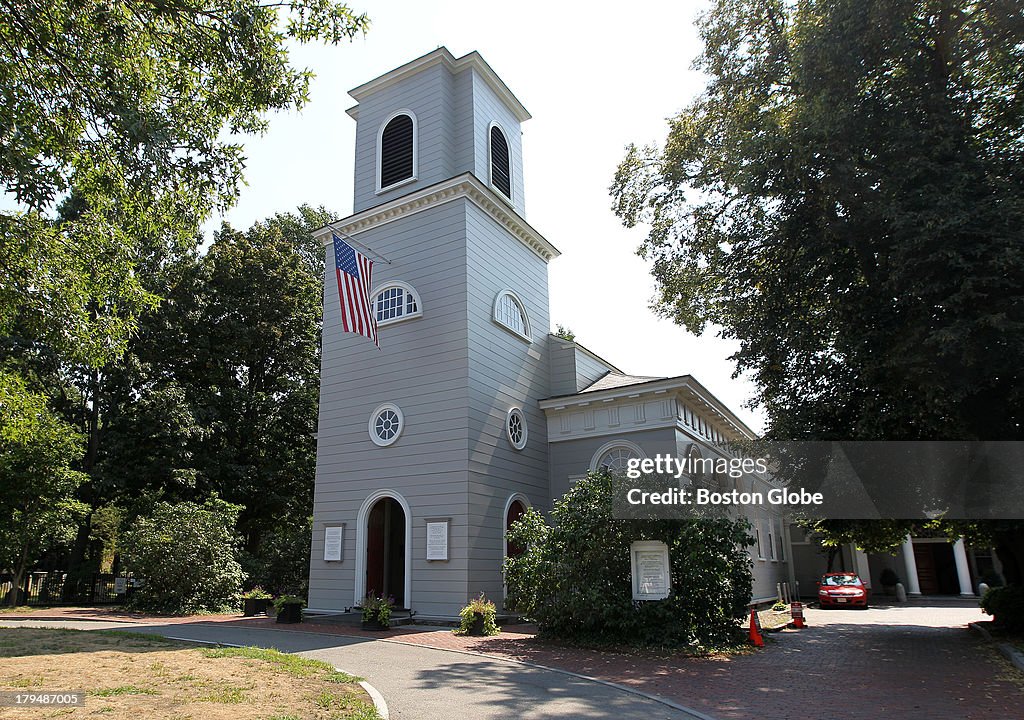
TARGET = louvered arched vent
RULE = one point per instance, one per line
(501, 174)
(396, 151)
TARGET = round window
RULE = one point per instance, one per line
(515, 425)
(386, 424)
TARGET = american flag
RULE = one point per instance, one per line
(354, 270)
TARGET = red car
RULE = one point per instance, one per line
(842, 589)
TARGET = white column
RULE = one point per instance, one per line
(913, 586)
(861, 566)
(963, 571)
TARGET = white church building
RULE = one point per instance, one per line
(470, 411)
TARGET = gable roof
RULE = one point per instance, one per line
(455, 65)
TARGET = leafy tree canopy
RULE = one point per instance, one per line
(846, 200)
(132, 110)
(37, 484)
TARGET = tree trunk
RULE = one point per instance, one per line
(830, 563)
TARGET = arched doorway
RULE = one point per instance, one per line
(515, 511)
(386, 550)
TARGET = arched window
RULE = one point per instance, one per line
(510, 313)
(394, 302)
(396, 150)
(501, 167)
(614, 456)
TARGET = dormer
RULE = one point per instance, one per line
(432, 119)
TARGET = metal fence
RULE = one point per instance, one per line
(57, 588)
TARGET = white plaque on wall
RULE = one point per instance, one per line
(652, 579)
(332, 543)
(437, 540)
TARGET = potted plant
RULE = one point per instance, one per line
(376, 611)
(479, 618)
(289, 608)
(256, 601)
(889, 580)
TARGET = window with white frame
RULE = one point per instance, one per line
(510, 313)
(396, 150)
(395, 302)
(501, 166)
(771, 540)
(386, 424)
(757, 537)
(614, 458)
(515, 428)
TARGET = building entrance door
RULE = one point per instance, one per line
(385, 550)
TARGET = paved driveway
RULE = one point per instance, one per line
(424, 683)
(914, 661)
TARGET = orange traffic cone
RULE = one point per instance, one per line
(755, 629)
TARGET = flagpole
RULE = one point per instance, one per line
(352, 240)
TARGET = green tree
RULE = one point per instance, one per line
(219, 391)
(187, 556)
(845, 199)
(574, 577)
(132, 111)
(37, 484)
(873, 536)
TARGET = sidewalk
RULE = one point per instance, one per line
(915, 661)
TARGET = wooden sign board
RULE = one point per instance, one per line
(437, 540)
(333, 537)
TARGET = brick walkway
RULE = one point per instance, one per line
(916, 661)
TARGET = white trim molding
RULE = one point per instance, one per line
(361, 532)
(371, 426)
(415, 150)
(466, 185)
(524, 431)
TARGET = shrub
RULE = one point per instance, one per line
(257, 593)
(478, 606)
(1006, 606)
(574, 578)
(280, 562)
(780, 606)
(280, 602)
(186, 555)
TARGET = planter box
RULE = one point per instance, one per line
(373, 625)
(290, 613)
(255, 606)
(477, 628)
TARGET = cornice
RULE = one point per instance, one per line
(466, 186)
(455, 65)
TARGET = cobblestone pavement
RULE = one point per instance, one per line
(909, 661)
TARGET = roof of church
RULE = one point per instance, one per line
(617, 380)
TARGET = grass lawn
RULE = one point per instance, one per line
(128, 676)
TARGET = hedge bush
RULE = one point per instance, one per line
(186, 555)
(574, 578)
(1006, 606)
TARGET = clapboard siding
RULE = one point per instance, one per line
(429, 95)
(488, 108)
(421, 367)
(504, 372)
